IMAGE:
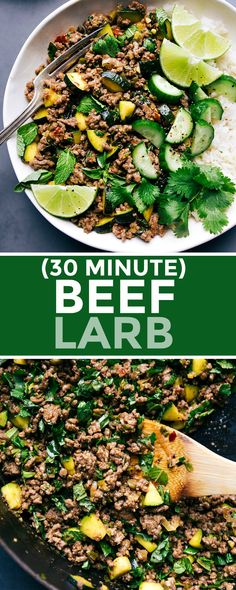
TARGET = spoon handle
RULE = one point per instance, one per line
(211, 475)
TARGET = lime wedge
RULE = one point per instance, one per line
(64, 201)
(191, 34)
(181, 68)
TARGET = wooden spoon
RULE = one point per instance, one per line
(211, 474)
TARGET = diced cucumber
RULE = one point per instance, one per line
(150, 130)
(170, 159)
(202, 137)
(224, 86)
(143, 162)
(181, 128)
(196, 92)
(163, 90)
(209, 110)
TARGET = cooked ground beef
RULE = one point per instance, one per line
(74, 446)
(57, 131)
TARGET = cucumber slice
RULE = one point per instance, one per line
(150, 130)
(209, 110)
(224, 86)
(143, 163)
(196, 92)
(163, 90)
(170, 159)
(114, 82)
(181, 128)
(202, 137)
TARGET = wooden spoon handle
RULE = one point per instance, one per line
(212, 474)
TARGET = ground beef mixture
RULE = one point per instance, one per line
(138, 52)
(71, 445)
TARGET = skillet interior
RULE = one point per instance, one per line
(52, 570)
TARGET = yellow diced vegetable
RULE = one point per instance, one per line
(20, 422)
(50, 97)
(150, 546)
(97, 141)
(190, 392)
(121, 566)
(150, 586)
(20, 361)
(148, 213)
(172, 414)
(91, 526)
(30, 152)
(81, 121)
(126, 108)
(82, 581)
(107, 30)
(195, 541)
(69, 464)
(198, 366)
(12, 493)
(3, 418)
(76, 137)
(152, 497)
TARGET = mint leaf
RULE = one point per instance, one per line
(26, 135)
(37, 177)
(65, 166)
(116, 195)
(95, 174)
(88, 104)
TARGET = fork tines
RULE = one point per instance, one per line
(66, 59)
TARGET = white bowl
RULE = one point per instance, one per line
(34, 53)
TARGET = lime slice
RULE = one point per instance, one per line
(181, 68)
(64, 201)
(191, 34)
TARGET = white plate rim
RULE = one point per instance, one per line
(166, 244)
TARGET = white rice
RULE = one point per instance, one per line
(223, 148)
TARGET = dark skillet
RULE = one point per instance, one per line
(51, 569)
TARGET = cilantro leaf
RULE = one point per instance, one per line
(107, 46)
(182, 183)
(26, 135)
(213, 178)
(181, 227)
(65, 166)
(37, 177)
(211, 207)
(145, 194)
(117, 193)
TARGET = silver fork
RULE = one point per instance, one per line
(61, 64)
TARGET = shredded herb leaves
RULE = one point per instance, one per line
(203, 190)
